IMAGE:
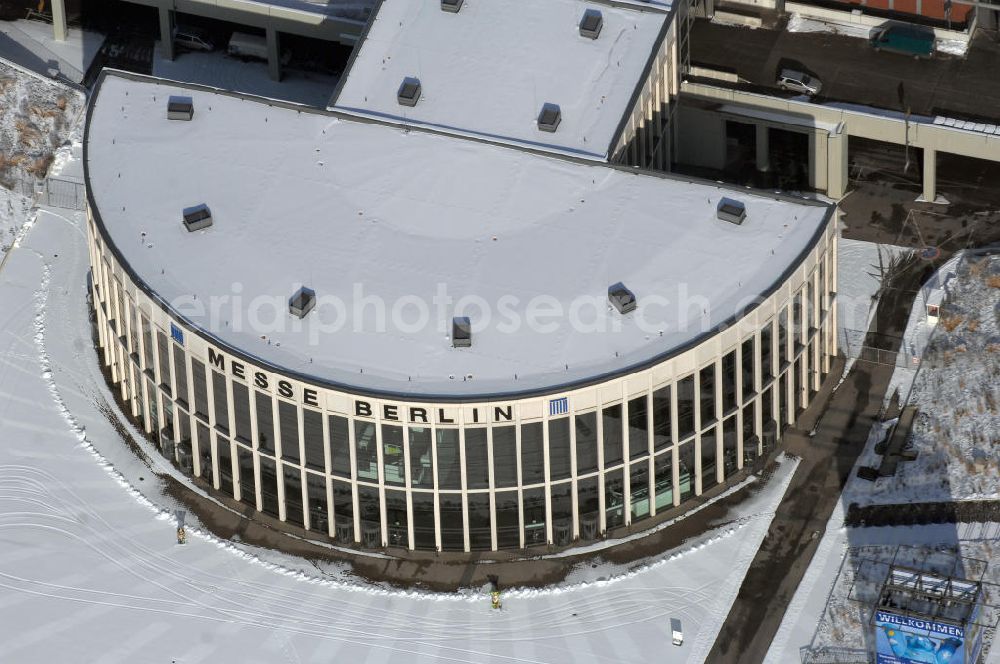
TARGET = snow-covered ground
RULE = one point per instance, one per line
(861, 267)
(90, 571)
(36, 116)
(221, 71)
(15, 212)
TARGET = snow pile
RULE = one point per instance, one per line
(952, 46)
(799, 23)
(35, 119)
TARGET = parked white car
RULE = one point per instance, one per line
(797, 81)
(193, 39)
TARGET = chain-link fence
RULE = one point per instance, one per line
(54, 192)
(68, 194)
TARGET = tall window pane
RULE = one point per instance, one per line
(706, 382)
(343, 512)
(614, 498)
(728, 382)
(248, 491)
(586, 443)
(685, 469)
(421, 459)
(312, 428)
(480, 535)
(730, 452)
(477, 462)
(661, 418)
(395, 518)
(225, 466)
(163, 349)
(639, 489)
(241, 413)
(505, 456)
(423, 521)
(449, 461)
(288, 416)
(559, 454)
(708, 460)
(365, 450)
(748, 367)
(452, 529)
(685, 407)
(269, 487)
(371, 515)
(562, 513)
(200, 388)
(766, 355)
(265, 422)
(508, 520)
(204, 451)
(393, 463)
(292, 477)
(612, 416)
(638, 427)
(221, 401)
(340, 446)
(534, 517)
(316, 488)
(180, 375)
(532, 457)
(664, 477)
(783, 353)
(750, 440)
(588, 506)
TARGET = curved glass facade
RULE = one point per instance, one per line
(504, 474)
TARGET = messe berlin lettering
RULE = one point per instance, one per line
(918, 623)
(364, 408)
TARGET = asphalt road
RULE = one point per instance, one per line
(801, 518)
(851, 71)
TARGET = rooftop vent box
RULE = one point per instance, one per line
(731, 210)
(621, 298)
(302, 302)
(461, 332)
(452, 6)
(197, 217)
(180, 108)
(591, 24)
(409, 92)
(549, 118)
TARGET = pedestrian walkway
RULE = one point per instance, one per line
(32, 45)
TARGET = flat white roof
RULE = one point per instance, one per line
(365, 213)
(487, 70)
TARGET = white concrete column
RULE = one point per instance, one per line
(59, 31)
(930, 175)
(763, 148)
(273, 54)
(836, 170)
(167, 32)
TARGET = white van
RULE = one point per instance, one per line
(675, 631)
(252, 47)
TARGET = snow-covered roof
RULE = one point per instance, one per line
(488, 69)
(367, 212)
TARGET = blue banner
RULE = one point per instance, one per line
(908, 640)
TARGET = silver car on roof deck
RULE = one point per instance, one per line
(797, 81)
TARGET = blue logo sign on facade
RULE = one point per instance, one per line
(559, 406)
(177, 334)
(908, 640)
